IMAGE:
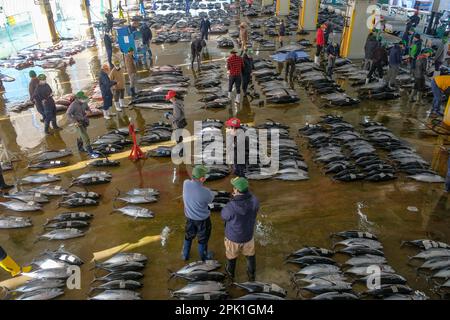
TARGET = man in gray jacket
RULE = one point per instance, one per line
(439, 57)
(76, 113)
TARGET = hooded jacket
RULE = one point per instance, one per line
(421, 67)
(370, 46)
(395, 56)
(117, 76)
(240, 217)
(415, 49)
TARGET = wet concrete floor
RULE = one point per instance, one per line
(293, 214)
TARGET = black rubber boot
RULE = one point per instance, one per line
(80, 145)
(251, 267)
(230, 268)
(3, 184)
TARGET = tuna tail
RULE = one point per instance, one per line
(171, 273)
(403, 243)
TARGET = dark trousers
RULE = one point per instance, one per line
(376, 66)
(319, 50)
(195, 56)
(204, 35)
(246, 78)
(109, 55)
(40, 109)
(2, 183)
(437, 97)
(234, 80)
(290, 69)
(239, 170)
(200, 229)
(50, 117)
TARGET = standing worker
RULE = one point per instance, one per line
(239, 152)
(440, 86)
(8, 264)
(320, 42)
(131, 70)
(243, 36)
(380, 59)
(327, 32)
(178, 117)
(188, 7)
(395, 60)
(105, 87)
(76, 113)
(109, 48)
(44, 95)
(196, 199)
(240, 218)
(439, 56)
(197, 46)
(109, 21)
(119, 7)
(291, 59)
(205, 27)
(142, 8)
(234, 67)
(369, 48)
(333, 53)
(34, 82)
(146, 40)
(419, 75)
(282, 33)
(117, 76)
(415, 50)
(413, 21)
(246, 71)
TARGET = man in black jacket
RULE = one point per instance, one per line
(380, 59)
(197, 46)
(146, 40)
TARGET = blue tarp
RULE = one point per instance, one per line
(281, 57)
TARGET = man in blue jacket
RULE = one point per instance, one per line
(240, 219)
(205, 27)
(395, 60)
(196, 199)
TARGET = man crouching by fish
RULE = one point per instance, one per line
(76, 113)
(196, 198)
(240, 219)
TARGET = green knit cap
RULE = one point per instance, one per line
(81, 95)
(32, 74)
(239, 183)
(42, 77)
(199, 171)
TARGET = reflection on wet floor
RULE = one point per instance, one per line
(292, 213)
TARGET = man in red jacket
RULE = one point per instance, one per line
(235, 64)
(320, 42)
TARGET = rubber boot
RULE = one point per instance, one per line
(317, 60)
(80, 145)
(202, 251)
(238, 98)
(118, 108)
(186, 249)
(230, 268)
(133, 92)
(367, 80)
(251, 267)
(229, 95)
(419, 97)
(12, 267)
(121, 103)
(46, 128)
(3, 184)
(412, 95)
(106, 115)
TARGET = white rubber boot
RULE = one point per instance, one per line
(121, 103)
(106, 115)
(316, 60)
(229, 95)
(118, 108)
(367, 80)
(238, 98)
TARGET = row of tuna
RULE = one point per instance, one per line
(323, 278)
(206, 283)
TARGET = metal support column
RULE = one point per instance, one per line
(282, 7)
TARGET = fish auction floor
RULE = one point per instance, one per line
(292, 214)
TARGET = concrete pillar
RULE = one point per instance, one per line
(308, 15)
(357, 27)
(266, 3)
(282, 7)
(110, 4)
(43, 23)
(86, 10)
